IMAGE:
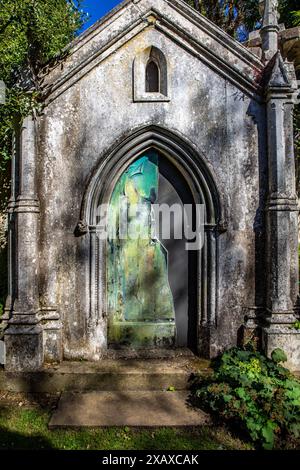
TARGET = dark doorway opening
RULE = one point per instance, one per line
(182, 263)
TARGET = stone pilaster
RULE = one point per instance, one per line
(282, 213)
(10, 220)
(23, 336)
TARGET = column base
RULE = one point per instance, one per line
(24, 348)
(207, 341)
(52, 342)
(286, 338)
(52, 333)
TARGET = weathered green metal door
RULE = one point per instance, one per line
(140, 304)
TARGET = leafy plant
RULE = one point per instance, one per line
(278, 355)
(296, 325)
(254, 393)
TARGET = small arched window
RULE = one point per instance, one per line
(152, 77)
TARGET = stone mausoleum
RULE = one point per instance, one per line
(155, 104)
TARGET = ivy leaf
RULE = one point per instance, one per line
(278, 355)
(227, 398)
(268, 432)
(241, 393)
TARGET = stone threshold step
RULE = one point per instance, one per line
(106, 374)
(127, 408)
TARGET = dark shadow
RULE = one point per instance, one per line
(257, 112)
(16, 440)
(13, 440)
(182, 278)
(216, 420)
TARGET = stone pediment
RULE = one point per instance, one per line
(278, 76)
(174, 19)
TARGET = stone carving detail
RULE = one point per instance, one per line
(81, 228)
(222, 226)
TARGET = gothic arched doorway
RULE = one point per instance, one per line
(184, 176)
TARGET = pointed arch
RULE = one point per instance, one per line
(192, 165)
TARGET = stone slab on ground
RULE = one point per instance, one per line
(128, 408)
(106, 375)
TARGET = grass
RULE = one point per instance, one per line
(25, 427)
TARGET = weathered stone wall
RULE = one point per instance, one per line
(225, 127)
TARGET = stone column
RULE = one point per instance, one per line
(270, 29)
(11, 246)
(282, 213)
(23, 336)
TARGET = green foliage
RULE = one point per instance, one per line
(32, 32)
(295, 15)
(278, 355)
(254, 393)
(296, 325)
(289, 12)
(27, 428)
(229, 14)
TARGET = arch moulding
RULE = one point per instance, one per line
(199, 177)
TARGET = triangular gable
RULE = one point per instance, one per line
(182, 24)
(278, 75)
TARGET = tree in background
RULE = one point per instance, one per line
(32, 32)
(230, 15)
(236, 15)
(289, 13)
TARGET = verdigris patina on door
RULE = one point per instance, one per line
(140, 303)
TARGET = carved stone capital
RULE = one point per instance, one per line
(81, 228)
